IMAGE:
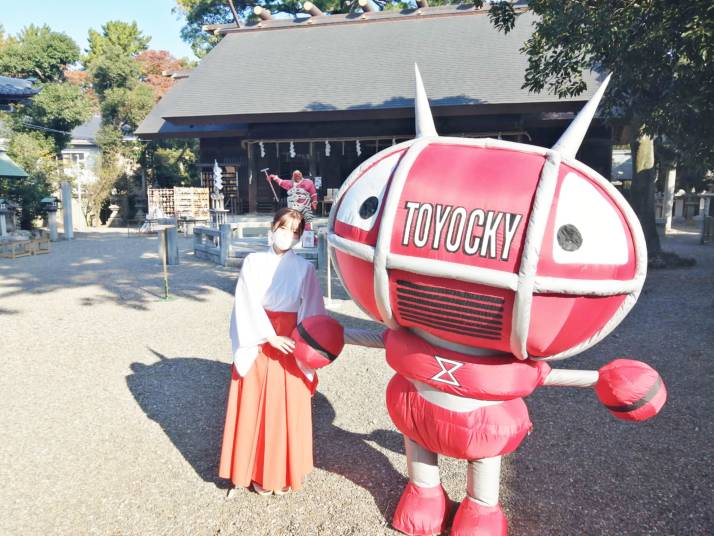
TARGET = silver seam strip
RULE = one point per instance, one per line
(384, 238)
(582, 287)
(357, 249)
(468, 274)
(542, 203)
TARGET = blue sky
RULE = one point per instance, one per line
(76, 17)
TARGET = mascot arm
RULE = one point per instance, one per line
(571, 378)
(364, 337)
(630, 390)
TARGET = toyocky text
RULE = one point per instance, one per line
(474, 231)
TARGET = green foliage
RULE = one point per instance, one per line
(59, 106)
(124, 35)
(113, 69)
(124, 107)
(38, 52)
(111, 171)
(109, 139)
(174, 163)
(660, 53)
(207, 12)
(34, 152)
(198, 13)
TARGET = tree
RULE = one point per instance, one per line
(38, 52)
(60, 107)
(154, 63)
(173, 163)
(124, 35)
(34, 152)
(660, 54)
(199, 13)
(113, 69)
(126, 108)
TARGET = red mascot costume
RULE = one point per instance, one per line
(486, 260)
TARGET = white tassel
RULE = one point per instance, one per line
(359, 148)
(262, 149)
(292, 150)
(327, 148)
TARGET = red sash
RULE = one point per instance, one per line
(483, 377)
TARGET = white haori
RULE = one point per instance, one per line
(279, 283)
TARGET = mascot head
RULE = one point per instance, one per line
(488, 244)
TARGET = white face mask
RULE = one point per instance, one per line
(284, 239)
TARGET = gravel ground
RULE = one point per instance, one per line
(113, 400)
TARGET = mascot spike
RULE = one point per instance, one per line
(423, 120)
(570, 141)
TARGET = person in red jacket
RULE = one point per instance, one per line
(302, 195)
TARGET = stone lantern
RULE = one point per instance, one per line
(51, 204)
(5, 210)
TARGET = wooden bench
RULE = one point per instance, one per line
(13, 249)
(16, 248)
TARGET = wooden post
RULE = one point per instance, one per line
(705, 218)
(263, 13)
(366, 5)
(312, 9)
(669, 198)
(313, 160)
(253, 179)
(329, 276)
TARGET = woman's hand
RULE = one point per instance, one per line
(285, 344)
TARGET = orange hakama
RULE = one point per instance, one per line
(268, 432)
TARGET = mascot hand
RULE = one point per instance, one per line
(631, 390)
(318, 341)
(274, 177)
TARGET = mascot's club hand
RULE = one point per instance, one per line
(631, 390)
(320, 339)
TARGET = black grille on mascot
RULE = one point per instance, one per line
(454, 311)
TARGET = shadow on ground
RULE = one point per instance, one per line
(186, 396)
(126, 269)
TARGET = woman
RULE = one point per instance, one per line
(267, 440)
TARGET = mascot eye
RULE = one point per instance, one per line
(359, 206)
(369, 207)
(569, 237)
(588, 228)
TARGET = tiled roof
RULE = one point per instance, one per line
(8, 168)
(16, 88)
(288, 67)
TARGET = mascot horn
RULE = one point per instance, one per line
(486, 260)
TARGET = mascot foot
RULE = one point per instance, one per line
(474, 519)
(422, 511)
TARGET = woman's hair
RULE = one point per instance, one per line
(284, 215)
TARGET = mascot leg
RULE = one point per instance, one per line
(479, 513)
(424, 506)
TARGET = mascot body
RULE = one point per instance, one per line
(486, 260)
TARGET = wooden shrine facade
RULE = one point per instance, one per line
(339, 105)
(331, 150)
